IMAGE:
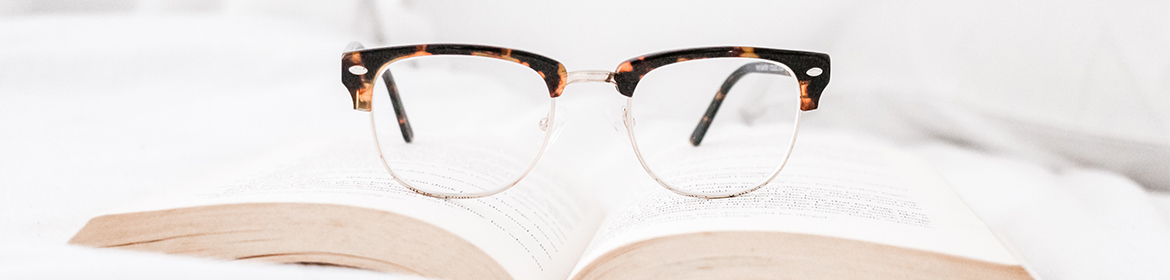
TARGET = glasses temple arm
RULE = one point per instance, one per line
(399, 111)
(709, 116)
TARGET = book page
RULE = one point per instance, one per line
(535, 230)
(836, 185)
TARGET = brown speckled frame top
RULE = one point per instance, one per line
(626, 77)
(631, 71)
(360, 81)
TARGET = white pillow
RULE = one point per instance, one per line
(1071, 84)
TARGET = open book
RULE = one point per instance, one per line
(839, 210)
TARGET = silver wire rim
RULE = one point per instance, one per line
(444, 195)
(628, 120)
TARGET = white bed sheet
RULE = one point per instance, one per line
(95, 111)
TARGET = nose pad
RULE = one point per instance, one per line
(628, 118)
(627, 126)
(617, 118)
(559, 116)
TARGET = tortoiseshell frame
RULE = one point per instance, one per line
(626, 77)
(360, 81)
(631, 71)
(361, 86)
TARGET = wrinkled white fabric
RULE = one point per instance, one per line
(1069, 224)
(97, 110)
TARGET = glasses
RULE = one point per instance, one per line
(484, 115)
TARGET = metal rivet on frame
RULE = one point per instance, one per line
(815, 71)
(357, 70)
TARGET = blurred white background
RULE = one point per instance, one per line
(1070, 83)
(103, 100)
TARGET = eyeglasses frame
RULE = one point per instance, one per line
(359, 81)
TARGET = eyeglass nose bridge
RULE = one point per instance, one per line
(590, 76)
